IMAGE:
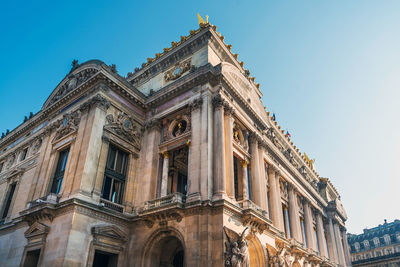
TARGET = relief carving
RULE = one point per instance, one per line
(178, 70)
(74, 80)
(68, 124)
(124, 126)
(236, 249)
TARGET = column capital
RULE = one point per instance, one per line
(218, 101)
(153, 124)
(272, 169)
(165, 154)
(244, 163)
(195, 104)
(228, 109)
(254, 138)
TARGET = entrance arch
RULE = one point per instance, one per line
(164, 248)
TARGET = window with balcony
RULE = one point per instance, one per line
(9, 199)
(115, 175)
(60, 170)
(178, 171)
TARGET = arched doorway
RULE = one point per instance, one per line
(164, 249)
(256, 252)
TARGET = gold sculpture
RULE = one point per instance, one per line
(201, 20)
(309, 161)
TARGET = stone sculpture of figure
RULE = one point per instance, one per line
(236, 254)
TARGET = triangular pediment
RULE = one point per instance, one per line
(109, 231)
(36, 229)
(79, 75)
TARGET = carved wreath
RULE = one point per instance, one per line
(178, 70)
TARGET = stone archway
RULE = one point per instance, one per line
(256, 252)
(165, 248)
(296, 264)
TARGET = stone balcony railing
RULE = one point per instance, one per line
(111, 205)
(174, 198)
(248, 204)
(49, 199)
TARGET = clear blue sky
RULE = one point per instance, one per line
(328, 69)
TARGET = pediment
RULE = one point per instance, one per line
(78, 76)
(37, 229)
(111, 231)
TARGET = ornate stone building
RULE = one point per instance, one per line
(177, 164)
(378, 246)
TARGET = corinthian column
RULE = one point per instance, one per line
(294, 214)
(255, 171)
(229, 151)
(263, 183)
(164, 177)
(245, 179)
(333, 253)
(275, 194)
(219, 150)
(339, 245)
(346, 248)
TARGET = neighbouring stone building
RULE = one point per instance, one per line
(177, 164)
(378, 246)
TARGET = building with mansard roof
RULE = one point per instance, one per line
(177, 164)
(378, 246)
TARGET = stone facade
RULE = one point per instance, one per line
(177, 164)
(378, 246)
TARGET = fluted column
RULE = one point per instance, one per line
(309, 225)
(339, 245)
(332, 242)
(321, 236)
(275, 193)
(346, 248)
(245, 179)
(219, 183)
(294, 214)
(263, 183)
(164, 177)
(255, 171)
(228, 112)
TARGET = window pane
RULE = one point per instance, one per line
(60, 169)
(9, 199)
(111, 157)
(116, 191)
(107, 188)
(120, 158)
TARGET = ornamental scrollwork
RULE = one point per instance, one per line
(123, 125)
(73, 81)
(178, 70)
(68, 124)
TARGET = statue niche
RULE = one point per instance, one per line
(177, 127)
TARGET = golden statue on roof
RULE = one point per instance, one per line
(201, 20)
(309, 161)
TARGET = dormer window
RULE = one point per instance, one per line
(366, 244)
(357, 246)
(376, 241)
(387, 239)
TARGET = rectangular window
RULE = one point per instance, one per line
(115, 174)
(32, 258)
(1, 166)
(23, 154)
(60, 169)
(105, 259)
(236, 177)
(303, 231)
(8, 200)
(316, 238)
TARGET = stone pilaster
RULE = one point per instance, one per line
(346, 247)
(275, 194)
(255, 171)
(321, 236)
(195, 151)
(333, 253)
(228, 112)
(263, 182)
(295, 226)
(219, 183)
(308, 223)
(339, 244)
